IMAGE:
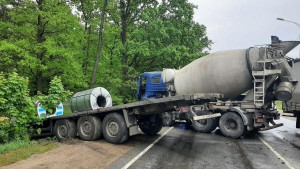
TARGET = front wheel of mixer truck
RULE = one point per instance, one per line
(206, 125)
(231, 125)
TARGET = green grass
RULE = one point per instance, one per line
(15, 145)
(67, 109)
(278, 105)
(18, 150)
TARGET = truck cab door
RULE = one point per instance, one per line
(141, 88)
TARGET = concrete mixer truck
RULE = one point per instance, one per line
(233, 90)
(250, 80)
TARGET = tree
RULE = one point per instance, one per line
(16, 105)
(99, 44)
(88, 13)
(168, 37)
(44, 40)
(56, 95)
(156, 36)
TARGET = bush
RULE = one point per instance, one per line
(17, 106)
(56, 95)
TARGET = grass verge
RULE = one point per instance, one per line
(19, 150)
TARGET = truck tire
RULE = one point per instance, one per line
(114, 128)
(252, 133)
(231, 125)
(150, 125)
(204, 126)
(188, 123)
(65, 129)
(89, 128)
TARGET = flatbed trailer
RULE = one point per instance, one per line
(117, 123)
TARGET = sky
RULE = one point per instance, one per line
(240, 24)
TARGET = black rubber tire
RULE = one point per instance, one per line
(252, 133)
(150, 127)
(65, 129)
(231, 125)
(89, 128)
(188, 123)
(120, 134)
(204, 126)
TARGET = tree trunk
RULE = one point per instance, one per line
(40, 54)
(124, 11)
(99, 44)
(87, 49)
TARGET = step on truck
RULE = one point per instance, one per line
(233, 90)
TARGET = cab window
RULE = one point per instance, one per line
(155, 80)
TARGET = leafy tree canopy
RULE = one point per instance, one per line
(42, 39)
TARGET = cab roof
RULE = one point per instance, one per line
(151, 74)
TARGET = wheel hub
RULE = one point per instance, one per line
(203, 122)
(231, 124)
(62, 131)
(86, 128)
(112, 129)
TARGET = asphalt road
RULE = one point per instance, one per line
(180, 147)
(177, 148)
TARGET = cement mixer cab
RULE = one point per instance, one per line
(151, 86)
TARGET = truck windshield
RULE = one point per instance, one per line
(155, 80)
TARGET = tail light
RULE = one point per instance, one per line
(258, 119)
(184, 109)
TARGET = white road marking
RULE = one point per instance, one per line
(146, 149)
(276, 153)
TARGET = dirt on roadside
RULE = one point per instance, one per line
(75, 154)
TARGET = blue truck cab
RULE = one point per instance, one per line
(151, 86)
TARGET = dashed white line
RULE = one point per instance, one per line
(146, 149)
(276, 153)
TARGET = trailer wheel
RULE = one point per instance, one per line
(204, 126)
(150, 125)
(231, 125)
(89, 128)
(65, 129)
(114, 128)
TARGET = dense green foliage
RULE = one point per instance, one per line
(46, 38)
(42, 39)
(15, 104)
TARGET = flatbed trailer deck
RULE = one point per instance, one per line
(116, 123)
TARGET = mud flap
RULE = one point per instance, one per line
(298, 120)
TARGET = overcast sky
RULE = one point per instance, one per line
(238, 24)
